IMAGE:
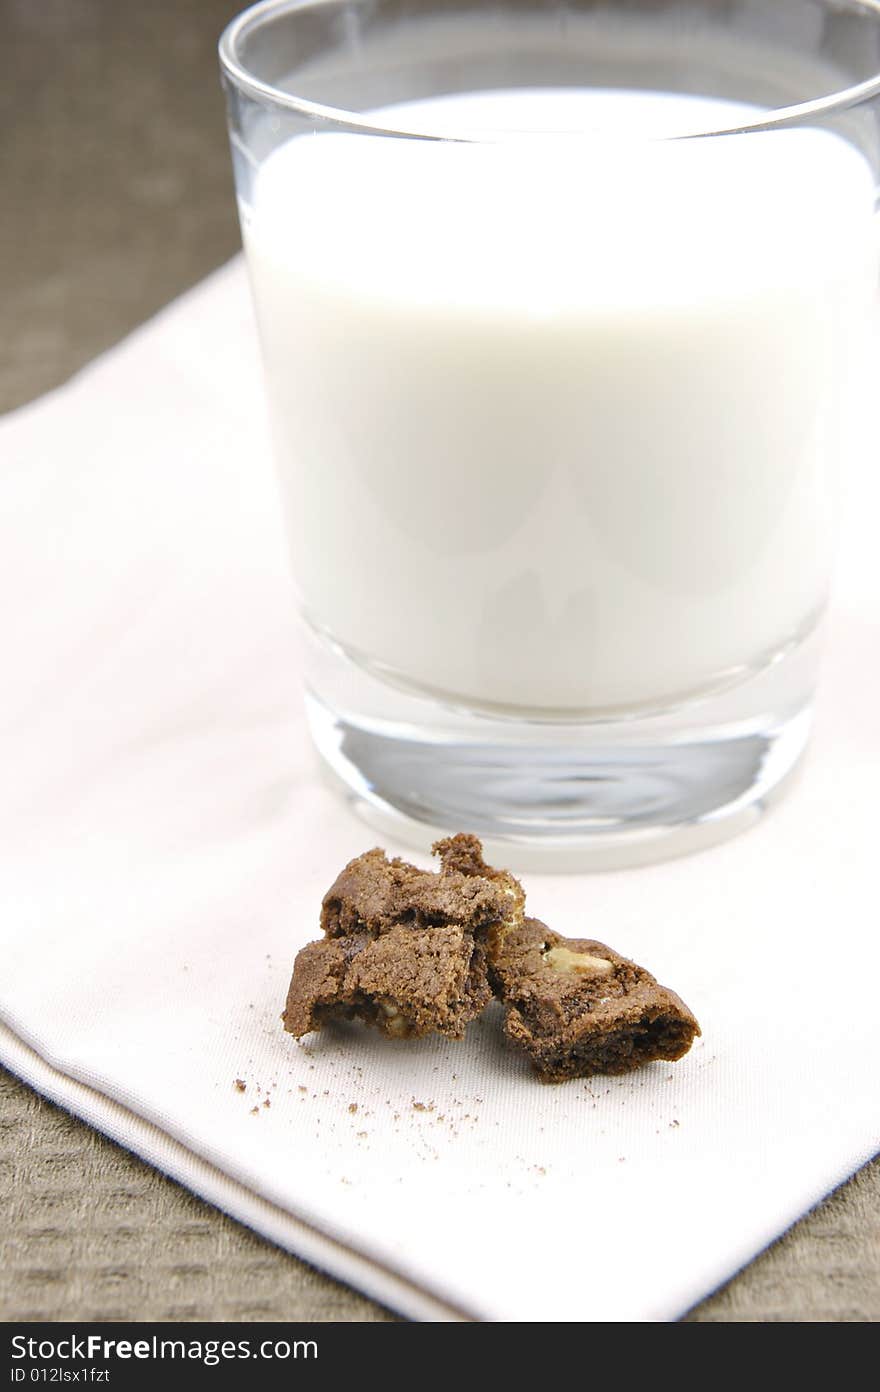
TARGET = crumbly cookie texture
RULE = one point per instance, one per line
(374, 894)
(408, 982)
(405, 949)
(577, 1007)
(413, 952)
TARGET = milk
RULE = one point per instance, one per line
(557, 414)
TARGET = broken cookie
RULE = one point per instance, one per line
(414, 951)
(374, 894)
(408, 982)
(405, 949)
(578, 1008)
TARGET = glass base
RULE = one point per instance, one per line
(559, 796)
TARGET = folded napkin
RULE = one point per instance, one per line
(167, 838)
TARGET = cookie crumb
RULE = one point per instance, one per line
(352, 1107)
(239, 1084)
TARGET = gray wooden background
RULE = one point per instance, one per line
(116, 196)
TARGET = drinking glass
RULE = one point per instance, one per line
(563, 309)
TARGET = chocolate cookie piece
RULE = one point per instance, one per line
(408, 981)
(579, 1008)
(405, 949)
(373, 894)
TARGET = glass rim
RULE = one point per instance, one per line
(776, 119)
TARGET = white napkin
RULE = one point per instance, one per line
(166, 841)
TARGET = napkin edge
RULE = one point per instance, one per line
(142, 1138)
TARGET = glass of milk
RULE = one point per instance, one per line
(564, 311)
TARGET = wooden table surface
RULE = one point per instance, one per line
(117, 196)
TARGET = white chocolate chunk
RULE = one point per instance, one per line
(562, 959)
